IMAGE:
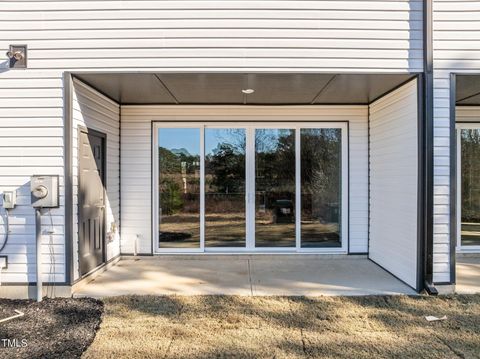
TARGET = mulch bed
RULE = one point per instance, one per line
(54, 328)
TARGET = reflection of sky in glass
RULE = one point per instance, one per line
(177, 138)
(232, 136)
(267, 140)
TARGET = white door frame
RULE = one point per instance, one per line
(249, 126)
(462, 126)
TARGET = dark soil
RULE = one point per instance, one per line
(55, 328)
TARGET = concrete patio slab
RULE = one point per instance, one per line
(468, 274)
(309, 275)
(323, 277)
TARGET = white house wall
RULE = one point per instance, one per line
(394, 182)
(467, 114)
(264, 35)
(31, 142)
(303, 36)
(136, 165)
(456, 36)
(96, 112)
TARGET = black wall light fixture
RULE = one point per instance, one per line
(17, 54)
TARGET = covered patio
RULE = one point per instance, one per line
(247, 183)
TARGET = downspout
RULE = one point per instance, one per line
(428, 171)
(68, 129)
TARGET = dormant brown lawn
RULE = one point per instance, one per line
(288, 327)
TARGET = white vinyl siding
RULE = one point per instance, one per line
(394, 182)
(136, 166)
(456, 50)
(467, 114)
(31, 142)
(308, 35)
(272, 36)
(94, 111)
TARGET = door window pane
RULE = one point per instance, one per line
(179, 187)
(275, 188)
(320, 187)
(470, 187)
(224, 187)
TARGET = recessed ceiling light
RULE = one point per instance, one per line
(248, 91)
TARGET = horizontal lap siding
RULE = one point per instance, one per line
(31, 142)
(136, 152)
(394, 182)
(467, 114)
(136, 184)
(303, 36)
(456, 50)
(96, 112)
(309, 35)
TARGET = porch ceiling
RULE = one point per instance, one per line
(468, 90)
(226, 88)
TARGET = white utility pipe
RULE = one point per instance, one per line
(135, 245)
(38, 232)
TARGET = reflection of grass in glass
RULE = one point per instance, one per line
(223, 229)
(187, 226)
(315, 234)
(470, 234)
(229, 229)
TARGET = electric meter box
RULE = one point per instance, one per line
(44, 191)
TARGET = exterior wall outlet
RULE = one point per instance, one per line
(9, 199)
(17, 55)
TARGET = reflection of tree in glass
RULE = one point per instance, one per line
(170, 197)
(235, 137)
(170, 161)
(320, 162)
(470, 186)
(275, 185)
(320, 173)
(178, 180)
(275, 160)
(225, 168)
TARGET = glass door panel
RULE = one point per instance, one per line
(470, 187)
(320, 183)
(225, 223)
(274, 188)
(179, 187)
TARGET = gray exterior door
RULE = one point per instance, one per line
(91, 197)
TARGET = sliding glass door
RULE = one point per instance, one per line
(179, 187)
(225, 221)
(321, 187)
(275, 187)
(250, 187)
